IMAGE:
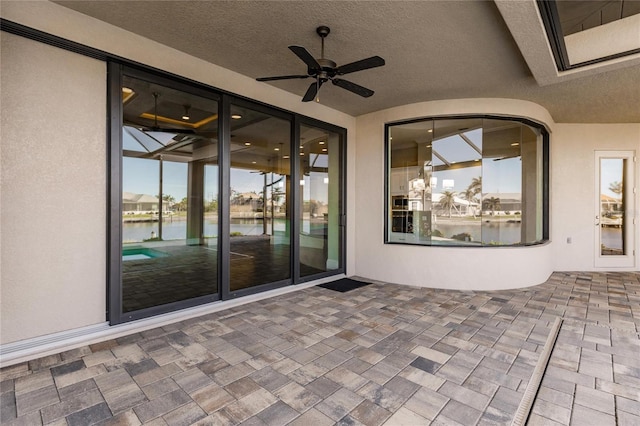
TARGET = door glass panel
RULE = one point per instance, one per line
(169, 253)
(260, 192)
(320, 200)
(612, 207)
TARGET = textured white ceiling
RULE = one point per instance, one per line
(433, 50)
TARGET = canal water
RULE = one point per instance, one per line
(177, 230)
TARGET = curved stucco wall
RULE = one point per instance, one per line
(468, 268)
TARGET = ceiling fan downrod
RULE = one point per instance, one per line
(323, 31)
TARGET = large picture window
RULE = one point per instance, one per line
(471, 181)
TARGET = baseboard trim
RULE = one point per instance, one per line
(50, 344)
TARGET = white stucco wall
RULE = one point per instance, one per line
(53, 171)
(441, 267)
(573, 190)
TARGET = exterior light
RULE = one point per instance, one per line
(324, 149)
(247, 144)
(276, 149)
(285, 156)
(236, 116)
(321, 143)
(515, 144)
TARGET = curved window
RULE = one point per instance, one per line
(466, 181)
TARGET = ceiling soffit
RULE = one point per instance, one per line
(434, 50)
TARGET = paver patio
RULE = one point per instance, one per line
(380, 354)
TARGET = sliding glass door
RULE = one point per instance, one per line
(169, 186)
(260, 193)
(215, 197)
(320, 217)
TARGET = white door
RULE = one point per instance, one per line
(615, 227)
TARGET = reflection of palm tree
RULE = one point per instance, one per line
(492, 204)
(476, 185)
(468, 195)
(447, 201)
(616, 187)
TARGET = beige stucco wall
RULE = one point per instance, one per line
(573, 189)
(53, 170)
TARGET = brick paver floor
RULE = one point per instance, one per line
(381, 354)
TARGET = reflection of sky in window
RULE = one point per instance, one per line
(174, 181)
(610, 172)
(136, 140)
(455, 149)
(140, 176)
(502, 176)
(248, 181)
(210, 183)
(461, 178)
(497, 176)
(319, 160)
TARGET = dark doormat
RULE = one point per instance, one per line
(343, 285)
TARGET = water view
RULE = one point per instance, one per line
(177, 229)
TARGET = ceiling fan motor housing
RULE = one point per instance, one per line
(327, 69)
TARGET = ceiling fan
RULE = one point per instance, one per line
(323, 70)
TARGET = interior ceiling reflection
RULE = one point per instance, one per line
(454, 143)
(159, 121)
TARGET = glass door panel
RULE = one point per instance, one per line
(259, 206)
(169, 138)
(612, 211)
(615, 229)
(320, 201)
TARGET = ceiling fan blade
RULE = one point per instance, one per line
(281, 77)
(312, 91)
(352, 87)
(363, 64)
(306, 57)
